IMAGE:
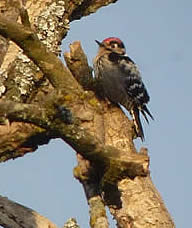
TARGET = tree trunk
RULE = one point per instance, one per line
(41, 99)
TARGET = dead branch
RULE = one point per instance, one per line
(14, 215)
(98, 131)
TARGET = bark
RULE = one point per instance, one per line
(15, 215)
(42, 99)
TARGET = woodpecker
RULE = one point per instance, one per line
(121, 80)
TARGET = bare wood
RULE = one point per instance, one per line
(61, 78)
(83, 142)
(99, 131)
(134, 202)
(20, 79)
(87, 174)
(14, 215)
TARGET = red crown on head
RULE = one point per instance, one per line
(108, 40)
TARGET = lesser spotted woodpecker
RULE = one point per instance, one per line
(121, 80)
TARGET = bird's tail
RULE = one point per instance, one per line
(137, 122)
(145, 110)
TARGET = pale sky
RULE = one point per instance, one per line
(158, 37)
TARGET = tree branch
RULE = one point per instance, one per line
(87, 7)
(88, 175)
(50, 65)
(88, 146)
(97, 130)
(14, 215)
(61, 78)
(76, 61)
(134, 202)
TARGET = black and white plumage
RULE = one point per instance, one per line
(121, 80)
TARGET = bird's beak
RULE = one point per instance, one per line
(99, 43)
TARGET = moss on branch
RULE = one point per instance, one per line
(97, 130)
(87, 145)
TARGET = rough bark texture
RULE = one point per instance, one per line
(134, 202)
(41, 100)
(15, 215)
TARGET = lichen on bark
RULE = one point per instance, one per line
(42, 99)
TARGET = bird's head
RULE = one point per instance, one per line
(112, 44)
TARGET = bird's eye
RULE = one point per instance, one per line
(114, 45)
